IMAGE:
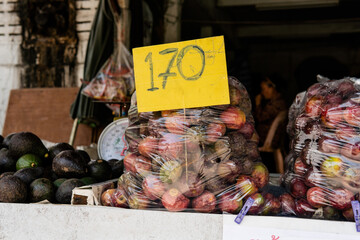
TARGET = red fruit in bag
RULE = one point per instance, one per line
(300, 168)
(258, 204)
(190, 184)
(148, 146)
(119, 199)
(247, 130)
(246, 185)
(298, 188)
(231, 202)
(174, 201)
(204, 203)
(329, 145)
(313, 107)
(177, 124)
(351, 114)
(153, 187)
(214, 131)
(345, 134)
(341, 198)
(316, 197)
(106, 197)
(346, 88)
(233, 118)
(287, 203)
(317, 89)
(351, 149)
(229, 170)
(272, 205)
(137, 164)
(314, 178)
(303, 208)
(332, 115)
(260, 175)
(138, 201)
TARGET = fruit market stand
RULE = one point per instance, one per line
(188, 170)
(48, 221)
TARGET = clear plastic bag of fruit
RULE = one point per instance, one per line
(199, 159)
(323, 173)
(115, 79)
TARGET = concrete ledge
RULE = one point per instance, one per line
(47, 221)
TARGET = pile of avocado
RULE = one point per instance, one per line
(30, 172)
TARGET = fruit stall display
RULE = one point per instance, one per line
(199, 159)
(30, 172)
(323, 172)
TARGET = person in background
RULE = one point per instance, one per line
(268, 104)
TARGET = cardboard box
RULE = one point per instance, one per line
(91, 194)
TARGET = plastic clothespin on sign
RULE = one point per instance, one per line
(244, 210)
(356, 209)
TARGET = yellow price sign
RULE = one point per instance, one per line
(179, 75)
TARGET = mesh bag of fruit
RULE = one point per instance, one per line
(199, 159)
(323, 168)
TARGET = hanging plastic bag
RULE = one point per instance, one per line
(115, 80)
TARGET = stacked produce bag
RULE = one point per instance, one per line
(202, 159)
(323, 173)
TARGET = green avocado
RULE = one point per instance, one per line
(100, 170)
(88, 180)
(58, 182)
(41, 189)
(12, 190)
(26, 142)
(28, 161)
(63, 193)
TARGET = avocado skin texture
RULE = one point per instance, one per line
(63, 193)
(69, 164)
(100, 170)
(7, 139)
(117, 167)
(26, 142)
(84, 155)
(4, 174)
(7, 161)
(27, 175)
(57, 148)
(13, 190)
(41, 189)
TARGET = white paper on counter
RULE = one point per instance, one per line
(287, 228)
